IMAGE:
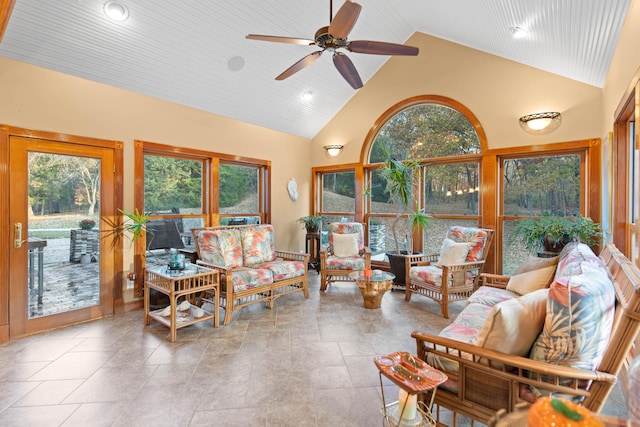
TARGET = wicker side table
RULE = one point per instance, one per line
(178, 283)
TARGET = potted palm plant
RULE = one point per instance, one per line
(551, 233)
(400, 177)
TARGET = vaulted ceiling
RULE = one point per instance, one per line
(194, 52)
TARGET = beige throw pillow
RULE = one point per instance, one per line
(513, 325)
(535, 263)
(531, 280)
(345, 245)
(453, 253)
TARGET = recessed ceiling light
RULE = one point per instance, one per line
(307, 95)
(518, 32)
(116, 11)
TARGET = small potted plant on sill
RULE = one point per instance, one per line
(312, 223)
(550, 233)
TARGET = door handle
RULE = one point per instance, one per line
(17, 235)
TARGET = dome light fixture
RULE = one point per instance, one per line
(116, 11)
(333, 149)
(518, 32)
(540, 123)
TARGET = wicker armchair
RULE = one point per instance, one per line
(335, 263)
(448, 283)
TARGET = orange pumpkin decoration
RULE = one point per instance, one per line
(547, 412)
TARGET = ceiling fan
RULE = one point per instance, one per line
(334, 37)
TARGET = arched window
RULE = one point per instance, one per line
(425, 131)
(447, 140)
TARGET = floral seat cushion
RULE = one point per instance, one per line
(346, 263)
(248, 278)
(283, 270)
(433, 274)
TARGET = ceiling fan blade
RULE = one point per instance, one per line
(307, 60)
(381, 48)
(345, 19)
(347, 69)
(279, 39)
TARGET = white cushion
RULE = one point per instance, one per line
(531, 280)
(345, 245)
(453, 253)
(513, 325)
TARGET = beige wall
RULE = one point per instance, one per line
(624, 65)
(39, 99)
(496, 90)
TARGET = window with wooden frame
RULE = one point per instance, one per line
(444, 137)
(536, 185)
(337, 199)
(195, 188)
(625, 174)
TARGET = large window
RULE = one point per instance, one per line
(460, 182)
(535, 186)
(338, 201)
(440, 134)
(239, 193)
(186, 188)
(173, 185)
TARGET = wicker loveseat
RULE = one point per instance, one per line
(484, 378)
(250, 268)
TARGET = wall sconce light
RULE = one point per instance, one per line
(333, 149)
(539, 123)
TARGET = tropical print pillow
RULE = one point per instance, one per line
(258, 244)
(580, 312)
(220, 247)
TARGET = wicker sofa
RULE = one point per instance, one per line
(484, 378)
(251, 270)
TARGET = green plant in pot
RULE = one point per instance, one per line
(400, 177)
(312, 223)
(551, 233)
(133, 227)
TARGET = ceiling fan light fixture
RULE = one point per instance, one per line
(540, 123)
(333, 149)
(116, 11)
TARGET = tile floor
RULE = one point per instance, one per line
(307, 362)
